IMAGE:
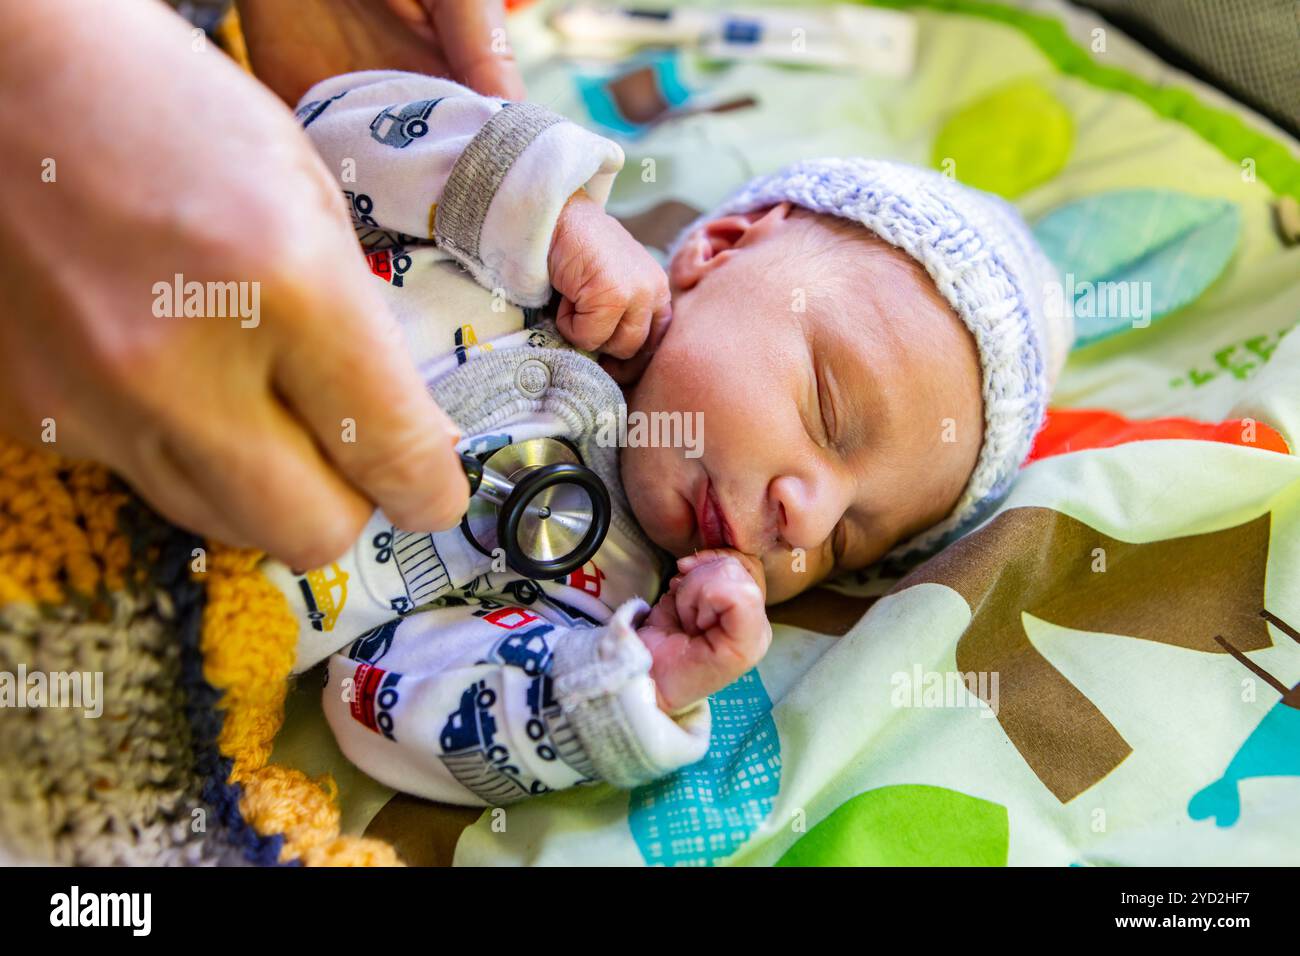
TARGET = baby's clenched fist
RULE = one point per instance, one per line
(615, 296)
(709, 628)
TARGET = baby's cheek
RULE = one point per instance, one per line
(649, 479)
(791, 573)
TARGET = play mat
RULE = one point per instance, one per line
(1106, 672)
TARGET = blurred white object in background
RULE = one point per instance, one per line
(842, 36)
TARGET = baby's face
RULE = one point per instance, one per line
(839, 398)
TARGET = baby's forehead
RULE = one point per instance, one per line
(881, 320)
(852, 273)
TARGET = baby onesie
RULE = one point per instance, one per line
(448, 675)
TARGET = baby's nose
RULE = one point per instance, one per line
(805, 514)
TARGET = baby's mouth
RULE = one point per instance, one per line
(711, 520)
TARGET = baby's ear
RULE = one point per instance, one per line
(711, 244)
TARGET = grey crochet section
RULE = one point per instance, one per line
(477, 176)
(114, 790)
(1250, 48)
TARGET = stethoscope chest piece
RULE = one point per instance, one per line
(538, 504)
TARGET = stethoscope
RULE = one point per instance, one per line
(539, 504)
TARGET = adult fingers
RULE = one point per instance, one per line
(474, 43)
(358, 392)
(152, 469)
(270, 485)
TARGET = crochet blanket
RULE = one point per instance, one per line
(1107, 671)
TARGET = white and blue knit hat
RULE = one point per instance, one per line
(986, 263)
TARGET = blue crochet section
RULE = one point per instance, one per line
(202, 709)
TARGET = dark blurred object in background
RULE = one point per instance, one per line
(1248, 48)
(206, 14)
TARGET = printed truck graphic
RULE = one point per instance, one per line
(472, 753)
(424, 574)
(550, 732)
(482, 763)
(400, 126)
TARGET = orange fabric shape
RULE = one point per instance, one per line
(1074, 429)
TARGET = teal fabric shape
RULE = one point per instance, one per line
(596, 91)
(705, 812)
(1272, 750)
(1130, 257)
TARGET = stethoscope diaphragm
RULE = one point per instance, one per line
(538, 505)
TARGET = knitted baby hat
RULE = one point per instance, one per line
(986, 263)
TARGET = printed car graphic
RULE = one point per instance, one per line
(375, 643)
(466, 339)
(526, 650)
(325, 591)
(527, 592)
(389, 264)
(585, 580)
(505, 616)
(400, 126)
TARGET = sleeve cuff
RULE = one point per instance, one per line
(505, 194)
(602, 680)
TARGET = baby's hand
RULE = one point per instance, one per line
(615, 294)
(709, 629)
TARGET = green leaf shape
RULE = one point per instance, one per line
(1015, 138)
(907, 825)
(1156, 249)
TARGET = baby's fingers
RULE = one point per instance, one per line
(749, 563)
(627, 371)
(588, 321)
(708, 595)
(630, 331)
(647, 316)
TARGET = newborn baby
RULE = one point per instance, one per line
(864, 343)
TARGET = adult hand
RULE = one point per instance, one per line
(130, 155)
(293, 46)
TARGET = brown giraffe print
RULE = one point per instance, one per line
(1180, 591)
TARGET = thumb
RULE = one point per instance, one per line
(475, 45)
(368, 409)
